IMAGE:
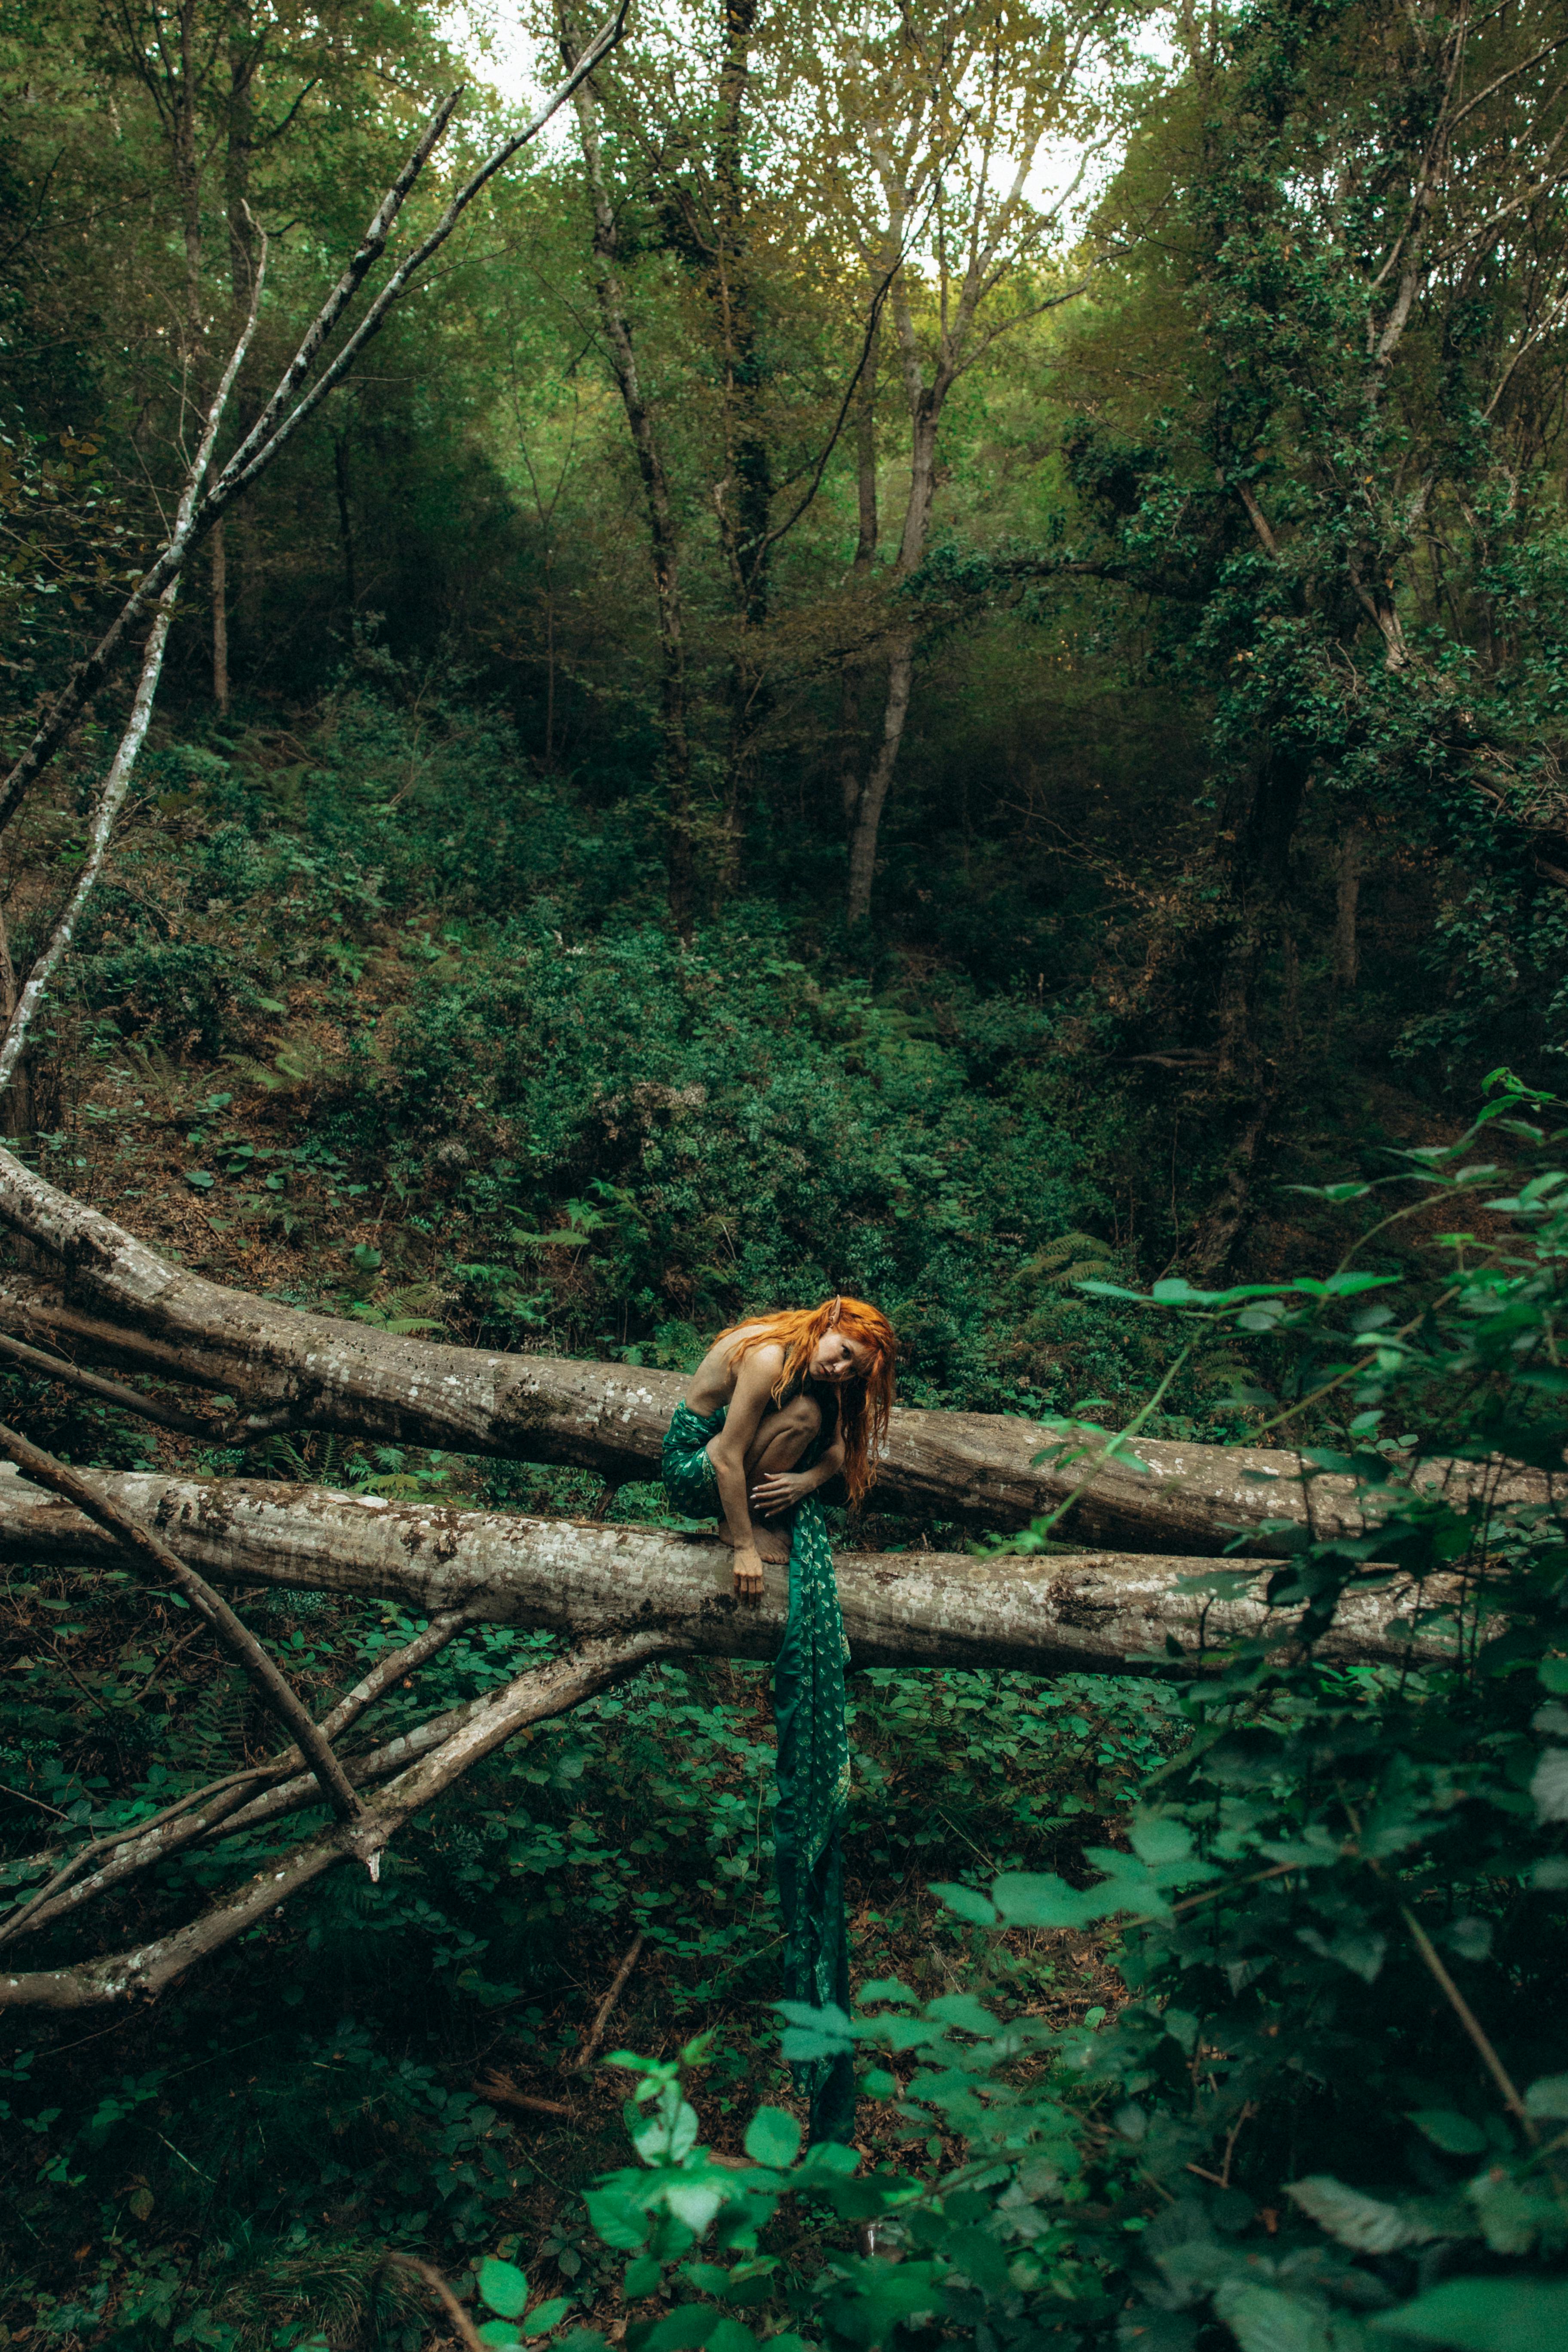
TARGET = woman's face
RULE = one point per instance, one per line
(834, 1357)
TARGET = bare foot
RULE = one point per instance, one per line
(772, 1544)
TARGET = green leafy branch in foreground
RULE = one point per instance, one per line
(1332, 2112)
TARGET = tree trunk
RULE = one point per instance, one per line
(345, 517)
(743, 500)
(188, 177)
(1347, 904)
(874, 792)
(926, 404)
(220, 622)
(116, 1302)
(864, 556)
(663, 537)
(17, 1102)
(1087, 1613)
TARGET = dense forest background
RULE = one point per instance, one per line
(929, 661)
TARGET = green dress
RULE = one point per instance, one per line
(813, 1760)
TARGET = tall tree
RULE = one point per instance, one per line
(664, 538)
(931, 124)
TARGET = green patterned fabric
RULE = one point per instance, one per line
(813, 1760)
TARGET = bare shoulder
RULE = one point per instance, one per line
(717, 1377)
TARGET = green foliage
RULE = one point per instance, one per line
(1338, 2069)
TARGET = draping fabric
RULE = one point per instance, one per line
(812, 1771)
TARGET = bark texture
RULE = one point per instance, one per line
(117, 1302)
(1091, 1613)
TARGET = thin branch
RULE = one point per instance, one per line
(868, 344)
(244, 467)
(1257, 519)
(150, 1551)
(461, 2320)
(1473, 2027)
(1548, 49)
(118, 781)
(54, 1368)
(502, 2092)
(596, 2034)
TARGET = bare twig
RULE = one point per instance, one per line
(503, 2092)
(1473, 2027)
(242, 1801)
(596, 2034)
(433, 2279)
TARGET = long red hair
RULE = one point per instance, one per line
(865, 1402)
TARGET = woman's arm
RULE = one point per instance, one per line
(753, 1394)
(781, 1489)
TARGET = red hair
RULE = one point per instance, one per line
(866, 1399)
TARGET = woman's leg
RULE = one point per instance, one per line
(782, 1438)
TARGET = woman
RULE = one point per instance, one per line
(774, 1409)
(777, 1408)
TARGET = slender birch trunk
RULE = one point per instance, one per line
(615, 318)
(926, 405)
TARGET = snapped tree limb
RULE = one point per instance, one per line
(119, 1979)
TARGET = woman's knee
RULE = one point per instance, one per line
(803, 1413)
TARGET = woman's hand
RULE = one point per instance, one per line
(748, 1575)
(780, 1490)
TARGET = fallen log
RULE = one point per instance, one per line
(115, 1301)
(1092, 1612)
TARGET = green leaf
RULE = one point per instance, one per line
(683, 2329)
(1265, 2319)
(503, 2287)
(1550, 1785)
(1364, 2223)
(615, 2220)
(696, 2202)
(499, 2332)
(966, 1903)
(546, 2315)
(1548, 2098)
(773, 2138)
(1455, 2134)
(1518, 2315)
(1039, 1899)
(732, 2335)
(200, 1178)
(365, 1257)
(1155, 1838)
(641, 2277)
(1554, 1674)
